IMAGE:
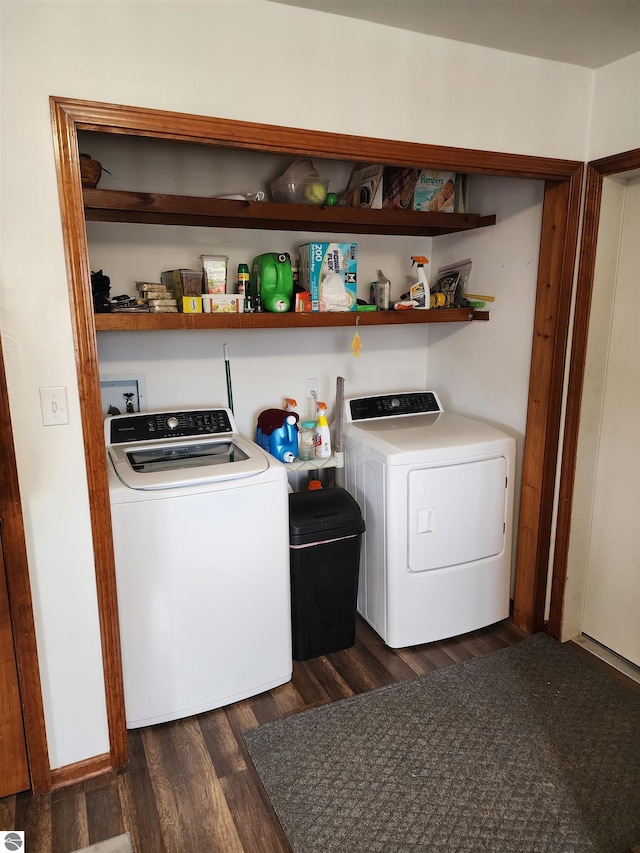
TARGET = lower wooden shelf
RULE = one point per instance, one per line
(149, 322)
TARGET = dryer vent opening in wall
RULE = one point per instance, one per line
(122, 394)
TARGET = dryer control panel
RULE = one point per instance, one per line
(400, 404)
(158, 425)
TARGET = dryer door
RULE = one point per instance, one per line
(456, 513)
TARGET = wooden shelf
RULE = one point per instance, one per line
(159, 209)
(140, 322)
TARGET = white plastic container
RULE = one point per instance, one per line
(299, 191)
(307, 445)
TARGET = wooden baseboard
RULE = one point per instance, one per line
(80, 771)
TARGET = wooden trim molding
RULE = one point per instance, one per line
(553, 303)
(558, 246)
(596, 172)
(20, 603)
(206, 130)
(79, 275)
(80, 771)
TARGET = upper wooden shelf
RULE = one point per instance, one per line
(160, 209)
(139, 322)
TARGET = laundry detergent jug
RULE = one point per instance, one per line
(277, 433)
(271, 281)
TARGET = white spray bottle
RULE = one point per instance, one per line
(323, 436)
(420, 292)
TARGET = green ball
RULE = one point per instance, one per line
(331, 199)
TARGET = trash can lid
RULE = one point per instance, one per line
(323, 514)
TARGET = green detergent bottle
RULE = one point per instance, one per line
(271, 281)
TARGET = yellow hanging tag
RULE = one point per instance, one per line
(356, 344)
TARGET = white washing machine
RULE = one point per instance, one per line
(201, 537)
(436, 494)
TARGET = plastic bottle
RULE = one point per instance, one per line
(283, 442)
(271, 281)
(323, 436)
(291, 426)
(277, 433)
(290, 407)
(307, 444)
(243, 282)
(420, 290)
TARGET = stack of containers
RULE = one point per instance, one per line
(160, 298)
(187, 287)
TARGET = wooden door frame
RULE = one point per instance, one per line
(596, 172)
(20, 602)
(555, 281)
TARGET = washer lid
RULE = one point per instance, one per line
(438, 437)
(175, 463)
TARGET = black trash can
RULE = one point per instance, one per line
(325, 529)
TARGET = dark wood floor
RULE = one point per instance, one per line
(190, 785)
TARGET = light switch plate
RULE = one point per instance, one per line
(53, 402)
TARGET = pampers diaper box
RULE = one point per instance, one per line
(329, 272)
(440, 192)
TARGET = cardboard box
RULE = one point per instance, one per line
(398, 184)
(223, 303)
(190, 304)
(163, 309)
(462, 194)
(302, 302)
(439, 192)
(365, 187)
(184, 282)
(214, 270)
(320, 260)
(157, 293)
(150, 286)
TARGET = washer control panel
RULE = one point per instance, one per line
(400, 404)
(153, 426)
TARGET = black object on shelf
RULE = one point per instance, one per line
(100, 288)
(325, 529)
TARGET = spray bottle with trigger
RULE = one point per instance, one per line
(420, 291)
(323, 435)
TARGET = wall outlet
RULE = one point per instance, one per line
(312, 389)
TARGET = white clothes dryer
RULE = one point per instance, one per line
(201, 542)
(436, 494)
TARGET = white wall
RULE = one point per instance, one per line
(213, 58)
(484, 372)
(613, 575)
(592, 401)
(603, 554)
(615, 110)
(614, 128)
